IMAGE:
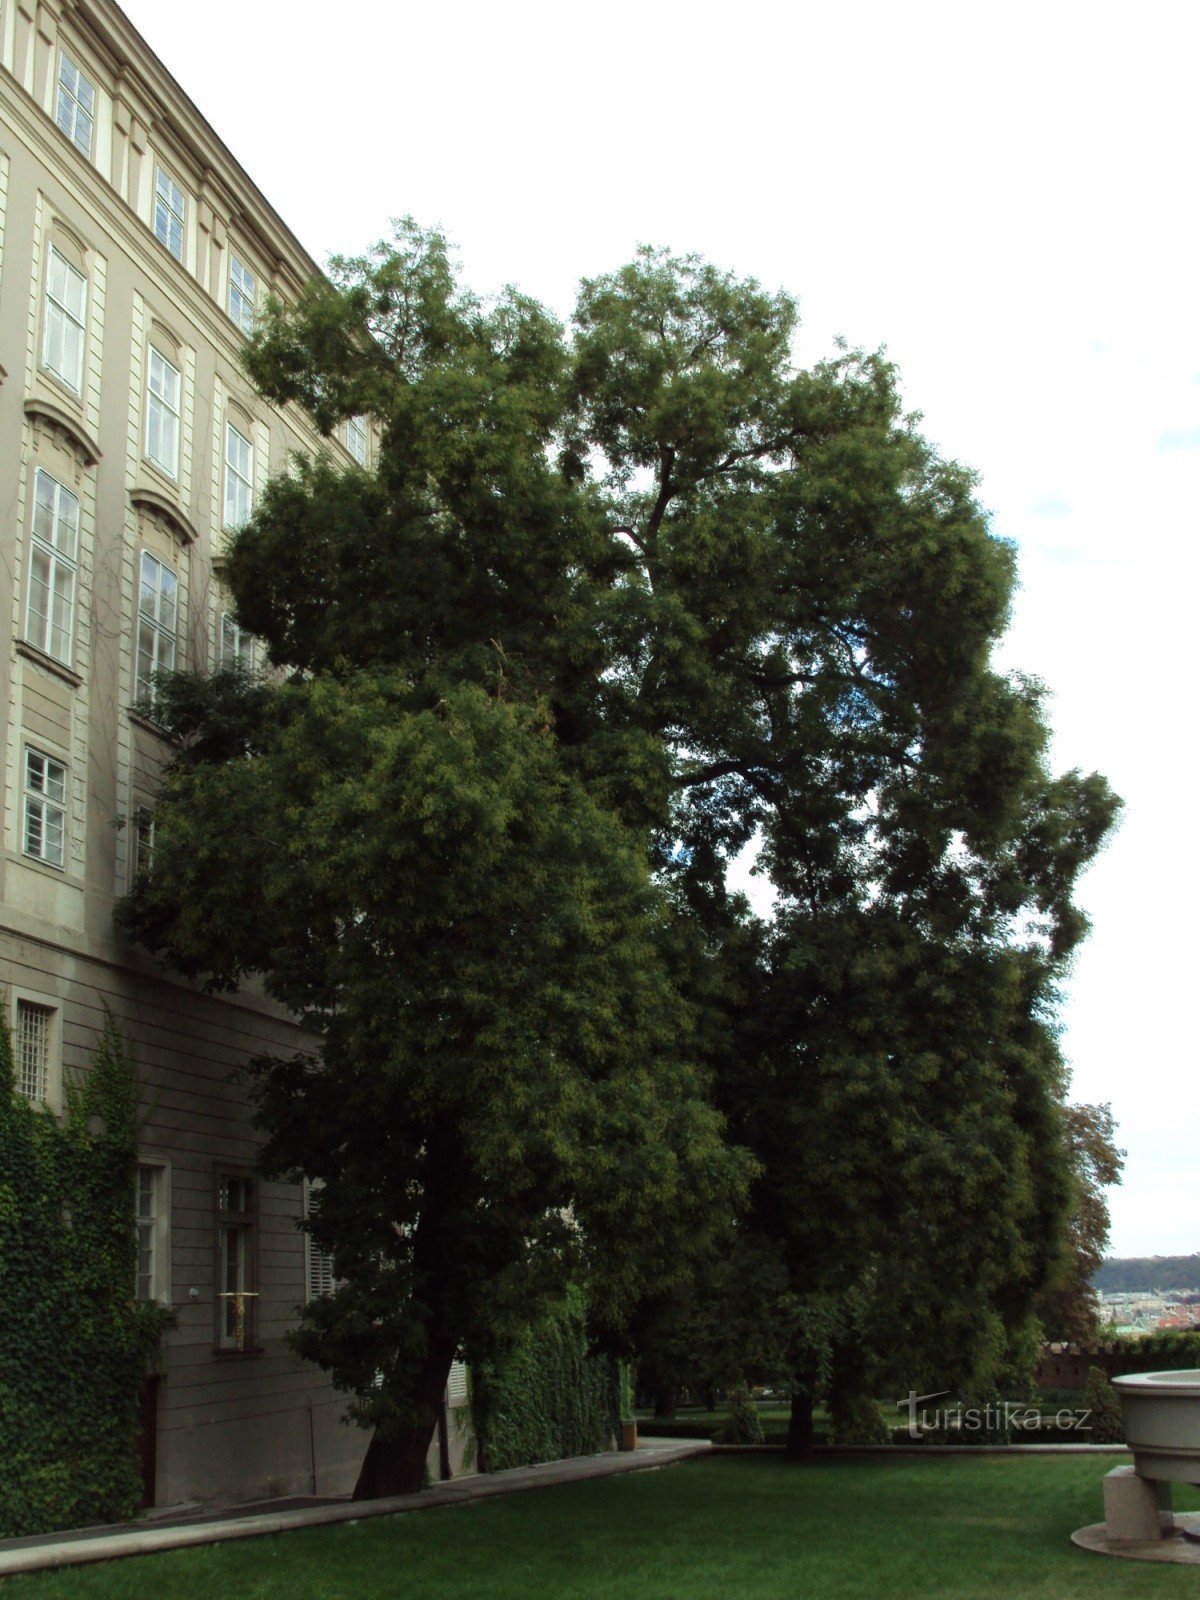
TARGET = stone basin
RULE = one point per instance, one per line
(1162, 1423)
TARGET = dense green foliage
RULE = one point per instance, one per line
(74, 1343)
(740, 1425)
(724, 1529)
(1177, 1348)
(547, 1396)
(1130, 1274)
(1105, 1423)
(611, 606)
(1069, 1308)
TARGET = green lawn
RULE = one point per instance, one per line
(718, 1529)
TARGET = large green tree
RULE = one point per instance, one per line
(611, 606)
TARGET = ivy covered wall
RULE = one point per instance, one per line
(74, 1342)
(549, 1397)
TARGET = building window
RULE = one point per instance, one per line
(45, 807)
(53, 556)
(75, 112)
(66, 311)
(153, 1280)
(170, 208)
(238, 648)
(235, 1263)
(319, 1277)
(158, 617)
(239, 477)
(241, 294)
(143, 841)
(162, 413)
(34, 1039)
(356, 439)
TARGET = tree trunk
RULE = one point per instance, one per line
(395, 1464)
(799, 1445)
(666, 1399)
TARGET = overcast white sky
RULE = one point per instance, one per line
(1004, 197)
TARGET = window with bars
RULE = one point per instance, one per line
(241, 294)
(75, 109)
(239, 477)
(158, 621)
(356, 439)
(319, 1276)
(162, 413)
(237, 1296)
(45, 830)
(53, 567)
(65, 323)
(34, 1039)
(170, 210)
(153, 1268)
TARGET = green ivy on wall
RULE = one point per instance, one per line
(548, 1397)
(74, 1341)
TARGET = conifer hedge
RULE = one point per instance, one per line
(548, 1397)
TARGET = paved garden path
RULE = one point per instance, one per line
(171, 1532)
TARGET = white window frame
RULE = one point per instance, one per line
(45, 813)
(163, 383)
(144, 829)
(75, 104)
(238, 648)
(54, 566)
(358, 439)
(239, 478)
(237, 1264)
(170, 212)
(158, 624)
(64, 324)
(51, 1011)
(152, 1283)
(243, 298)
(320, 1279)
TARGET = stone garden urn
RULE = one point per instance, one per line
(1162, 1424)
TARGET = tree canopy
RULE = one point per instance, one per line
(612, 604)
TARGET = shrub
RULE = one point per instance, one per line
(547, 1397)
(859, 1420)
(1105, 1425)
(741, 1426)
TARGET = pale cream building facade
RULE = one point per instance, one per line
(133, 253)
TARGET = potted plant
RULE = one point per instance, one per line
(628, 1422)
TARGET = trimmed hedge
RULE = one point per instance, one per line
(548, 1397)
(74, 1342)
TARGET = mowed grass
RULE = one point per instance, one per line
(726, 1528)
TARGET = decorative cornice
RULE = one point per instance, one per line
(150, 500)
(145, 79)
(71, 426)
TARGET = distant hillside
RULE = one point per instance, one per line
(1129, 1274)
